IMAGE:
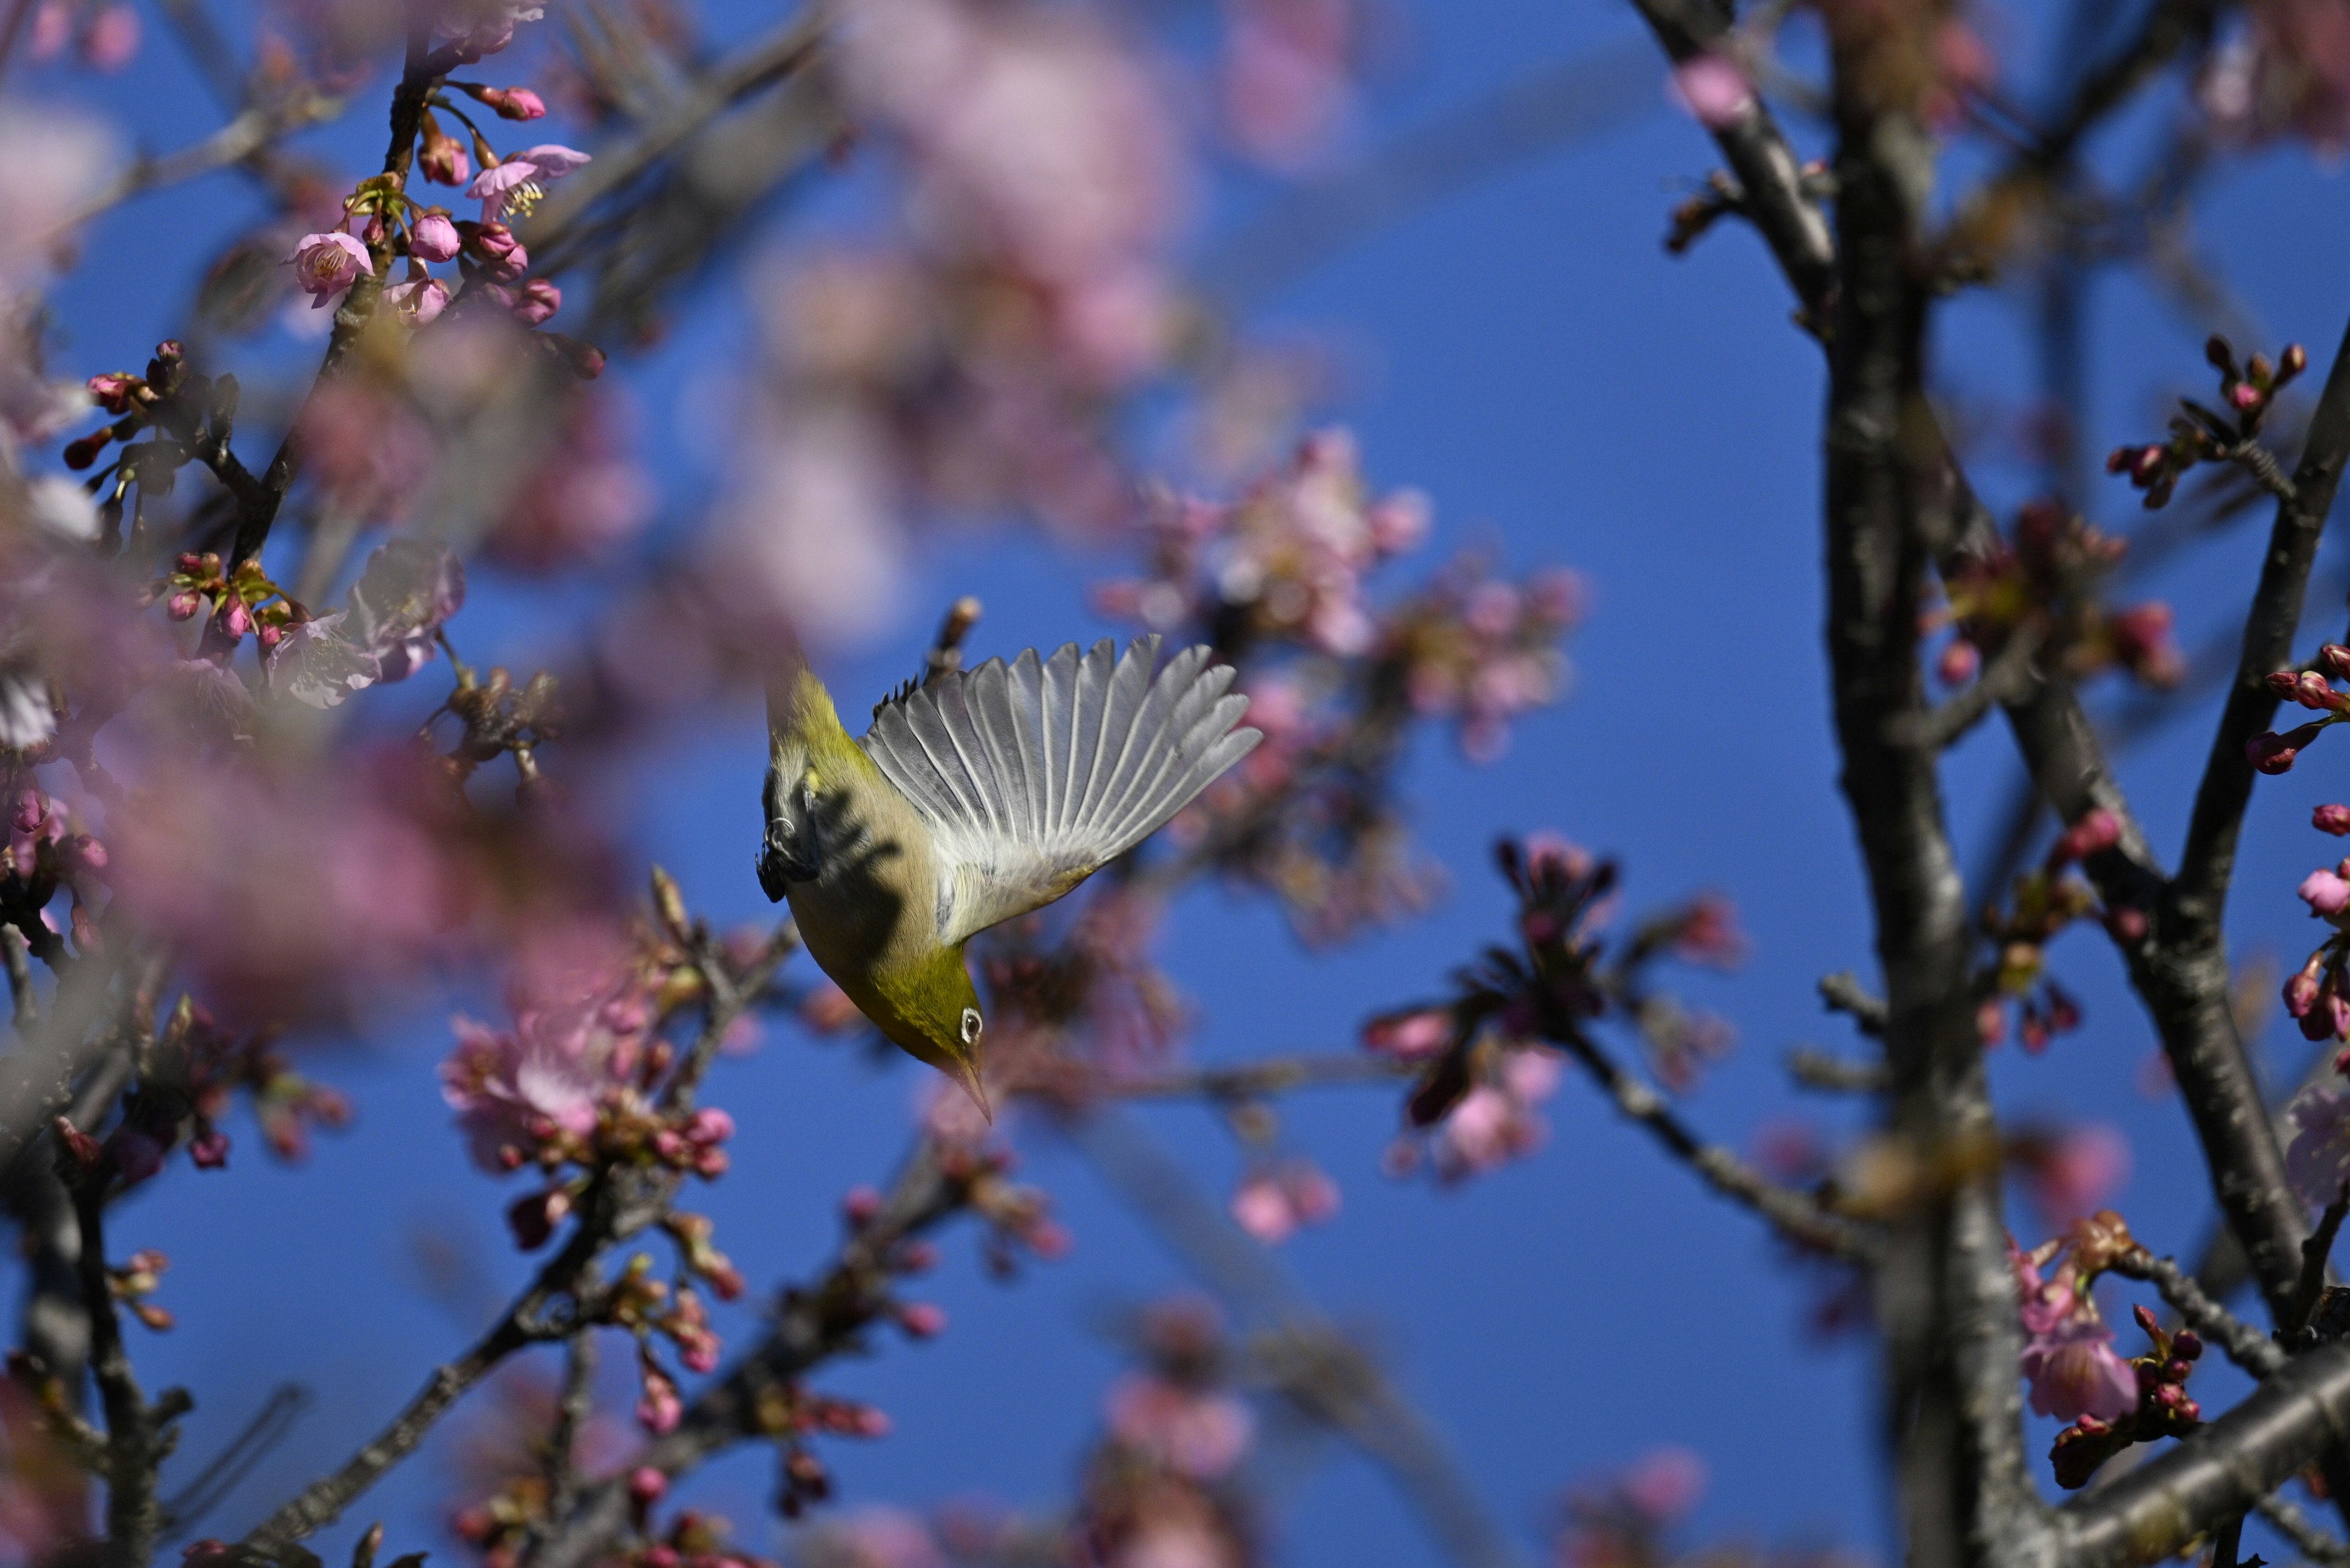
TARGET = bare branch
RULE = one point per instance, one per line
(1835, 1074)
(1796, 1215)
(1844, 993)
(2314, 1252)
(2245, 1345)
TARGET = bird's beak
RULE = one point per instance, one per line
(964, 1071)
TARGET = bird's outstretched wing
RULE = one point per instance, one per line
(1033, 774)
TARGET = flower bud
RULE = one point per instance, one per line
(709, 1125)
(2285, 683)
(2326, 892)
(434, 238)
(2292, 363)
(209, 1150)
(2300, 993)
(2313, 690)
(2244, 397)
(2274, 754)
(647, 1485)
(861, 1207)
(922, 1319)
(1958, 663)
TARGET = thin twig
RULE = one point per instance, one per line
(20, 955)
(1258, 1080)
(2315, 1251)
(220, 1476)
(1844, 993)
(2012, 673)
(2301, 1530)
(2245, 1345)
(134, 1456)
(1795, 1214)
(1836, 1075)
(235, 142)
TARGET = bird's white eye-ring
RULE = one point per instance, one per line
(970, 1025)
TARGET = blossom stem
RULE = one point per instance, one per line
(257, 509)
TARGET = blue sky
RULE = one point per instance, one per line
(1525, 351)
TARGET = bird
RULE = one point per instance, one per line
(976, 796)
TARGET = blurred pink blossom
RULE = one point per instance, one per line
(1664, 1484)
(1274, 1202)
(1713, 89)
(2318, 1159)
(1286, 77)
(2074, 1371)
(2076, 1172)
(1198, 1433)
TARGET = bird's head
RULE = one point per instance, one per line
(931, 1010)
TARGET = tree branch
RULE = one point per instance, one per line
(619, 1203)
(1767, 170)
(2155, 1510)
(1795, 1214)
(2209, 859)
(2245, 1345)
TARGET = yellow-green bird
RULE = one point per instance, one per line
(972, 799)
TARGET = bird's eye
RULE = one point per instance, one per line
(970, 1025)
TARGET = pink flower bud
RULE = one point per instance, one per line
(533, 1219)
(2274, 754)
(2147, 464)
(1958, 663)
(2097, 831)
(112, 391)
(2333, 819)
(2292, 362)
(2126, 923)
(647, 1485)
(1409, 1036)
(2244, 397)
(2324, 892)
(2313, 690)
(2300, 993)
(434, 239)
(84, 1149)
(235, 620)
(861, 1207)
(709, 1125)
(2285, 683)
(709, 1164)
(182, 605)
(209, 1150)
(539, 301)
(922, 1319)
(515, 103)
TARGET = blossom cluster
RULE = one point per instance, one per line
(1485, 1059)
(2045, 578)
(1279, 581)
(2201, 434)
(2274, 752)
(2069, 1359)
(2283, 69)
(2045, 901)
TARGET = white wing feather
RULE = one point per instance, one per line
(1032, 776)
